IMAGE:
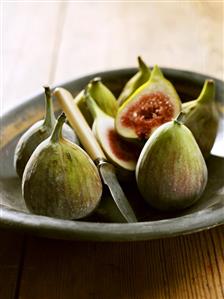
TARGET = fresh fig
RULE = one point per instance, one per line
(37, 133)
(103, 96)
(81, 103)
(60, 180)
(201, 117)
(171, 172)
(120, 152)
(151, 105)
(135, 82)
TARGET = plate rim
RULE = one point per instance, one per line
(99, 231)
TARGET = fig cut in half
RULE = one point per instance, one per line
(152, 104)
(121, 153)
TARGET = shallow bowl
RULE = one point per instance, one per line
(207, 213)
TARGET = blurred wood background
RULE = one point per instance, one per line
(47, 43)
(51, 42)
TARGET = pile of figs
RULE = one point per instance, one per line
(147, 131)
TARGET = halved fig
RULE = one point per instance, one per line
(152, 104)
(120, 152)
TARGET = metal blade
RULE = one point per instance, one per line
(109, 178)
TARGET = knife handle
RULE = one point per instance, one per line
(79, 123)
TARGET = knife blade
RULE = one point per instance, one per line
(108, 175)
(89, 142)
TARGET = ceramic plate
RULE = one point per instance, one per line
(207, 213)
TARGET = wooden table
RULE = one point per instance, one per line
(52, 42)
(182, 267)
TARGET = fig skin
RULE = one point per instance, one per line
(135, 82)
(103, 97)
(143, 112)
(37, 133)
(60, 180)
(171, 172)
(201, 117)
(28, 143)
(80, 101)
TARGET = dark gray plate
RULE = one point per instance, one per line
(207, 213)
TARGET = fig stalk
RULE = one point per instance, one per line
(49, 119)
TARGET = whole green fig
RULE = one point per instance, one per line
(60, 180)
(37, 133)
(171, 172)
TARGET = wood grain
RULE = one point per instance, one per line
(99, 36)
(29, 33)
(53, 42)
(182, 267)
(11, 258)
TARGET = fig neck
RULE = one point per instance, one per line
(142, 66)
(207, 94)
(49, 119)
(156, 74)
(57, 132)
(179, 119)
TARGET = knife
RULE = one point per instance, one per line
(89, 142)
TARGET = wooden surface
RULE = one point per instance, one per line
(52, 42)
(182, 267)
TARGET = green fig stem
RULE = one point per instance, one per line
(49, 119)
(57, 132)
(179, 119)
(142, 65)
(207, 94)
(156, 73)
(95, 80)
(92, 105)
